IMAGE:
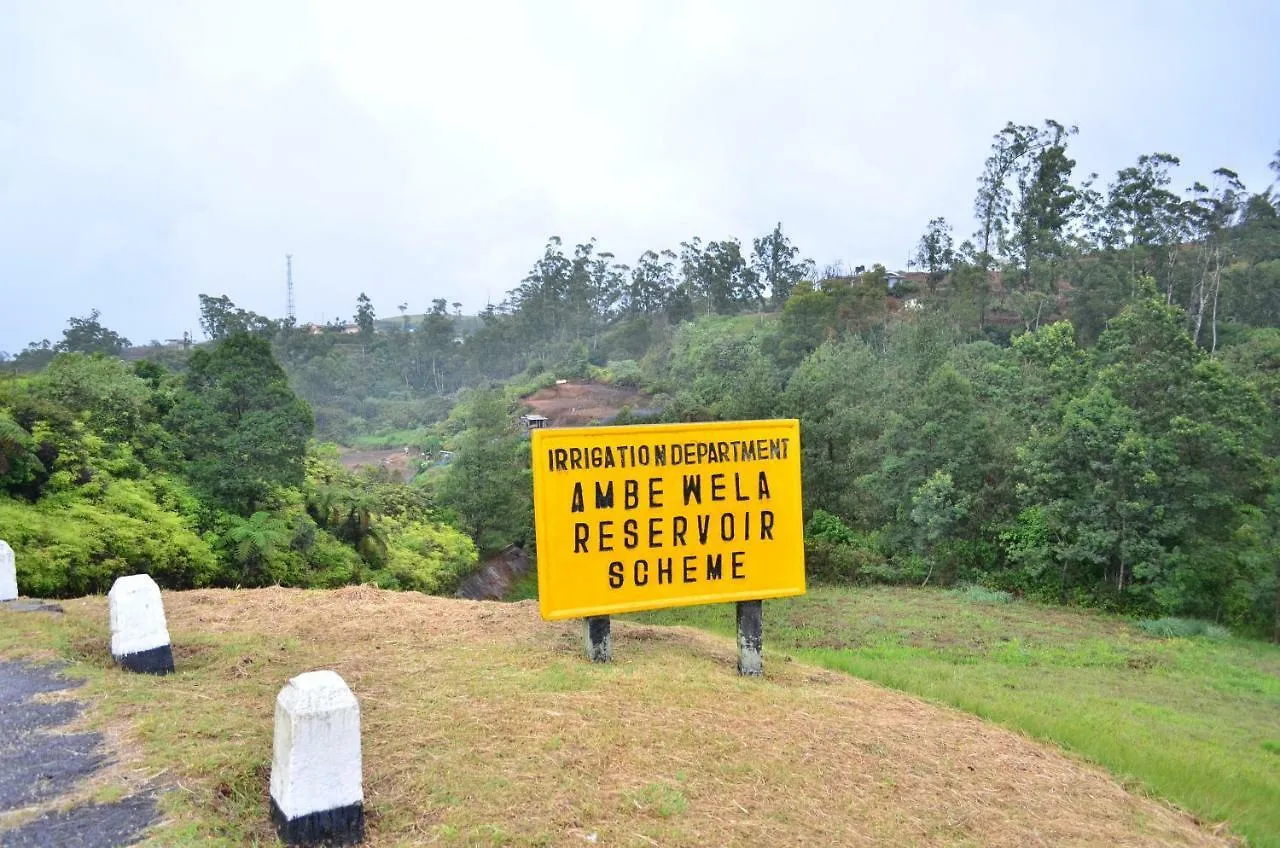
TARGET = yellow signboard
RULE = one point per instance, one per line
(637, 518)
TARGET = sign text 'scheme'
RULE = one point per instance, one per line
(636, 518)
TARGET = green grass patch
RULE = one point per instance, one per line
(983, 595)
(391, 439)
(659, 799)
(1193, 720)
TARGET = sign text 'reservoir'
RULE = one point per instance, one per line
(636, 518)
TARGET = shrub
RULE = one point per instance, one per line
(624, 372)
(829, 528)
(69, 546)
(426, 557)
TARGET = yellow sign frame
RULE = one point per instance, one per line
(720, 502)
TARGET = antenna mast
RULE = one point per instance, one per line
(288, 272)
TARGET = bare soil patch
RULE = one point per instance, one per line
(395, 461)
(578, 404)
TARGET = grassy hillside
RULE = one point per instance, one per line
(1193, 720)
(484, 726)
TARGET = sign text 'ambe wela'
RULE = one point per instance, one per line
(634, 518)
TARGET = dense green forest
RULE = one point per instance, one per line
(1078, 403)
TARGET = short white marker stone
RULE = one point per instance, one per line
(139, 637)
(8, 573)
(317, 796)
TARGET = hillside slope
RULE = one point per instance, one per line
(483, 725)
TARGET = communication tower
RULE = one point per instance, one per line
(288, 273)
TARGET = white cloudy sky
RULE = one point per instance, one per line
(150, 151)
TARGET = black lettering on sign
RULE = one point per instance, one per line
(581, 533)
(642, 572)
(559, 460)
(679, 526)
(664, 571)
(690, 571)
(630, 494)
(715, 566)
(775, 449)
(575, 459)
(766, 524)
(738, 494)
(717, 487)
(785, 442)
(615, 575)
(722, 449)
(704, 528)
(746, 526)
(605, 536)
(597, 456)
(748, 451)
(727, 527)
(659, 454)
(630, 533)
(604, 496)
(736, 560)
(576, 504)
(655, 532)
(692, 488)
(762, 487)
(655, 492)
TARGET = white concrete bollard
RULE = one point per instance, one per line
(8, 573)
(139, 637)
(317, 795)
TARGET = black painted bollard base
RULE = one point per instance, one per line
(343, 826)
(155, 661)
(750, 627)
(596, 629)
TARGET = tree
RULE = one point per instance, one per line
(488, 484)
(1213, 213)
(35, 355)
(936, 252)
(241, 430)
(434, 343)
(87, 335)
(935, 509)
(991, 206)
(651, 284)
(364, 316)
(773, 259)
(1044, 202)
(731, 284)
(19, 464)
(220, 318)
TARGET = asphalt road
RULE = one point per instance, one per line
(39, 764)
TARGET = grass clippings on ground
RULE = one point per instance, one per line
(483, 725)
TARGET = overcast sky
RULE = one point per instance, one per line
(151, 151)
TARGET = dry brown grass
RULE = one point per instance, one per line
(484, 725)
